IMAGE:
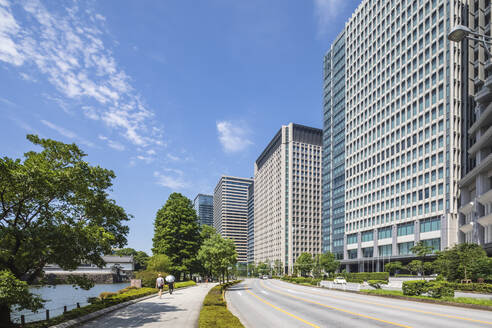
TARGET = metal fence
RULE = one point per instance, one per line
(45, 314)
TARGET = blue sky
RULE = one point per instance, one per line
(169, 94)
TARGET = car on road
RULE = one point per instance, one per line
(339, 280)
(264, 277)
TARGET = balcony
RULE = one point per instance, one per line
(467, 208)
(484, 120)
(484, 142)
(485, 198)
(484, 166)
(467, 227)
(485, 220)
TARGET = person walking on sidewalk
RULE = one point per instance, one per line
(159, 283)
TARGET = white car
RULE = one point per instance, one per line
(339, 280)
(264, 277)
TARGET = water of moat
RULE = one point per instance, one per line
(61, 295)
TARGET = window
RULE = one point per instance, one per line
(384, 233)
(405, 229)
(431, 224)
(352, 239)
(367, 236)
(367, 252)
(352, 253)
(435, 244)
(385, 250)
(404, 248)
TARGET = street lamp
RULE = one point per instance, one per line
(460, 32)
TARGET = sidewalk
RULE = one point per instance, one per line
(181, 309)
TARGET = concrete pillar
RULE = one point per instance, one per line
(375, 252)
(416, 231)
(394, 246)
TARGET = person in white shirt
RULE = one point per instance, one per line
(159, 283)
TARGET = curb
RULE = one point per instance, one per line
(406, 298)
(99, 313)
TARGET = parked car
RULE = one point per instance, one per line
(339, 280)
(264, 277)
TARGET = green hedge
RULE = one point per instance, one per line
(214, 312)
(434, 289)
(302, 280)
(473, 287)
(365, 276)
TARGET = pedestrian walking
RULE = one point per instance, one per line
(159, 283)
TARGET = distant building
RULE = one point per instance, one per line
(251, 223)
(231, 212)
(204, 207)
(287, 196)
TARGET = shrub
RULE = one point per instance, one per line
(436, 289)
(473, 287)
(376, 283)
(365, 276)
(414, 287)
(214, 312)
(126, 289)
(105, 295)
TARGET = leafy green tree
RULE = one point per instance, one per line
(329, 263)
(217, 254)
(278, 267)
(177, 234)
(159, 263)
(263, 269)
(54, 209)
(428, 268)
(304, 264)
(252, 270)
(207, 232)
(463, 261)
(140, 258)
(391, 267)
(416, 266)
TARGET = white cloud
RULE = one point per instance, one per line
(172, 157)
(173, 179)
(326, 11)
(67, 47)
(67, 133)
(111, 143)
(233, 136)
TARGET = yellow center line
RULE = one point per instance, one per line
(283, 311)
(335, 308)
(398, 307)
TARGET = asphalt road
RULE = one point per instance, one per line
(274, 303)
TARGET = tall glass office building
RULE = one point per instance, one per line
(251, 223)
(333, 222)
(231, 212)
(403, 104)
(204, 207)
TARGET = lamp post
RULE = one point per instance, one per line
(460, 32)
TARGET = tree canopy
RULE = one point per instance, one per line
(55, 209)
(463, 261)
(304, 264)
(177, 233)
(328, 262)
(140, 258)
(217, 254)
(159, 263)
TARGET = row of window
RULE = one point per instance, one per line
(387, 250)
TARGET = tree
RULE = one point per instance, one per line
(206, 232)
(329, 263)
(217, 254)
(416, 266)
(252, 270)
(177, 234)
(263, 268)
(159, 263)
(54, 209)
(391, 267)
(278, 267)
(140, 258)
(304, 264)
(463, 261)
(428, 268)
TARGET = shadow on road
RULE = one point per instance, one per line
(238, 288)
(138, 315)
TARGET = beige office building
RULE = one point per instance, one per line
(231, 212)
(287, 211)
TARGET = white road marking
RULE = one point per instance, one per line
(240, 294)
(264, 292)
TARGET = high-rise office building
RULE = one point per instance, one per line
(403, 102)
(333, 222)
(475, 223)
(287, 192)
(251, 223)
(204, 207)
(231, 212)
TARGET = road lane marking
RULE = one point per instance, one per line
(240, 294)
(402, 308)
(283, 311)
(335, 308)
(264, 292)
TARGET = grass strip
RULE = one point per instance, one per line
(107, 302)
(481, 303)
(214, 312)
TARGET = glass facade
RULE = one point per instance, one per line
(251, 223)
(204, 207)
(333, 221)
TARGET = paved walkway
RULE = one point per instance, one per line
(181, 309)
